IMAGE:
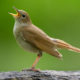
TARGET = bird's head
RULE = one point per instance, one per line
(21, 16)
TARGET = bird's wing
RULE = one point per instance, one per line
(39, 39)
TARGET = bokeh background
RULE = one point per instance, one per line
(58, 18)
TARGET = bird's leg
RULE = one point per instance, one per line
(35, 62)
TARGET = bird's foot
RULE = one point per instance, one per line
(32, 69)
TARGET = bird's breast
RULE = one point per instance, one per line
(21, 41)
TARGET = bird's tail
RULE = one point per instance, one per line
(62, 44)
(74, 49)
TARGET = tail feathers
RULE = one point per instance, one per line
(74, 49)
(62, 44)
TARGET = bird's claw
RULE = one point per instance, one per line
(32, 69)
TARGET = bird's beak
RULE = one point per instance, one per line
(15, 15)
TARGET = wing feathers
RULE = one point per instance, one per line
(56, 54)
(40, 40)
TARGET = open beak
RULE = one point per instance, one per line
(15, 15)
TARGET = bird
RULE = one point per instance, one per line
(33, 39)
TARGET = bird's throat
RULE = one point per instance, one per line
(18, 26)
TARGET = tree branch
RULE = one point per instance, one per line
(43, 75)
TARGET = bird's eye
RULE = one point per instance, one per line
(23, 16)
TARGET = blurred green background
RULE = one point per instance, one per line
(58, 18)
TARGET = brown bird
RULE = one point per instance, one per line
(33, 39)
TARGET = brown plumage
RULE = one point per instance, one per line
(39, 39)
(65, 45)
(33, 39)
